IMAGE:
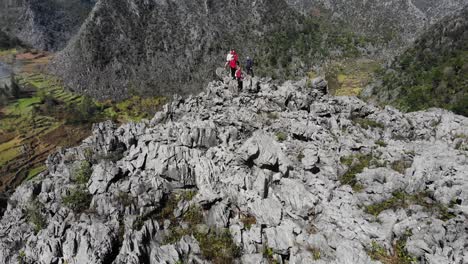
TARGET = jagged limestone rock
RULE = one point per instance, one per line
(318, 184)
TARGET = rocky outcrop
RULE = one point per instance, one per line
(292, 175)
(44, 24)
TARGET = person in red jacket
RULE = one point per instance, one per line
(236, 57)
(240, 78)
(233, 65)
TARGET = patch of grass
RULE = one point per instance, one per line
(400, 166)
(34, 215)
(269, 255)
(403, 200)
(21, 257)
(134, 108)
(367, 123)
(355, 164)
(272, 115)
(300, 156)
(316, 254)
(381, 143)
(248, 220)
(9, 151)
(35, 171)
(399, 256)
(8, 52)
(218, 246)
(281, 136)
(78, 199)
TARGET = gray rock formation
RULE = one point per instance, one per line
(289, 172)
(44, 24)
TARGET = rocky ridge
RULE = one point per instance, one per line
(279, 172)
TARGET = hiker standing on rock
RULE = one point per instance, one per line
(233, 65)
(249, 66)
(240, 78)
(236, 57)
(229, 57)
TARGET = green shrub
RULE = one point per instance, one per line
(218, 246)
(403, 200)
(82, 173)
(356, 164)
(281, 136)
(34, 215)
(78, 199)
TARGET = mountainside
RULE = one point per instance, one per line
(395, 23)
(276, 174)
(7, 41)
(167, 47)
(44, 24)
(432, 72)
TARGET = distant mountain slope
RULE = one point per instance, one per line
(164, 47)
(7, 41)
(433, 72)
(44, 24)
(393, 22)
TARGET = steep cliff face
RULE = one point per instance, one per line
(278, 173)
(432, 72)
(164, 47)
(44, 24)
(395, 23)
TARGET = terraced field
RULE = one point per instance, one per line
(44, 118)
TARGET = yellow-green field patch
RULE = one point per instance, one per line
(35, 171)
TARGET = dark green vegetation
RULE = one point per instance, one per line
(356, 164)
(399, 254)
(433, 72)
(8, 42)
(309, 40)
(216, 244)
(281, 136)
(404, 200)
(34, 215)
(78, 198)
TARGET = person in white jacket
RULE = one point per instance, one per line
(229, 57)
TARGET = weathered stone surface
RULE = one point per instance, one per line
(219, 154)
